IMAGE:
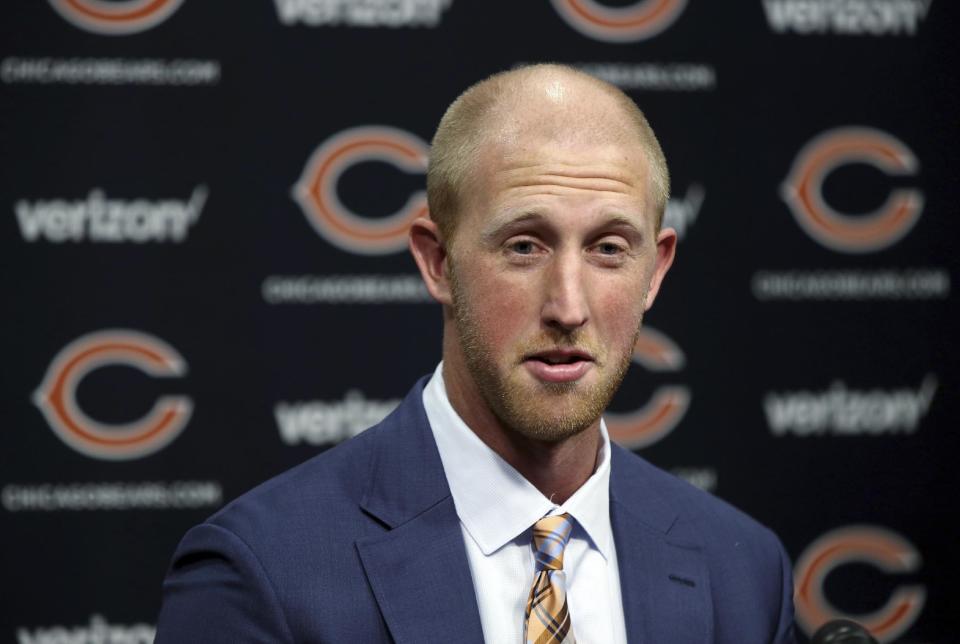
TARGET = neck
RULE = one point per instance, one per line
(556, 468)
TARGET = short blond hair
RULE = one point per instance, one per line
(461, 133)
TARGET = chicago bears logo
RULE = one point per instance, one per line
(316, 191)
(872, 545)
(118, 18)
(669, 403)
(637, 21)
(803, 190)
(56, 396)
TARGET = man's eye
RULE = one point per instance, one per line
(609, 248)
(522, 247)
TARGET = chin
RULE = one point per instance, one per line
(555, 412)
(550, 430)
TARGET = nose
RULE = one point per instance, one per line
(565, 306)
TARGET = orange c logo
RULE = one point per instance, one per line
(803, 190)
(880, 547)
(116, 18)
(661, 414)
(56, 396)
(316, 191)
(638, 21)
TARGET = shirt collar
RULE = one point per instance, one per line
(496, 503)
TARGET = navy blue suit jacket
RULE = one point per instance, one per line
(362, 544)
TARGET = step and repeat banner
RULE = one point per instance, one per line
(205, 278)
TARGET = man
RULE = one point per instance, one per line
(491, 506)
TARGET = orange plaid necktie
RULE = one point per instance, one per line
(546, 618)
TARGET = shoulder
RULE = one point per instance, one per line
(687, 512)
(322, 491)
(750, 580)
(738, 550)
(325, 493)
(279, 560)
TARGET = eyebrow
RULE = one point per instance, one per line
(504, 222)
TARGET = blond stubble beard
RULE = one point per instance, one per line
(534, 415)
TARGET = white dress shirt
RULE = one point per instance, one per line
(497, 509)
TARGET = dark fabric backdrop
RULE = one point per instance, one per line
(201, 289)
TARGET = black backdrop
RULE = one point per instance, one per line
(178, 325)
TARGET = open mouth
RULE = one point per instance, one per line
(559, 365)
(560, 356)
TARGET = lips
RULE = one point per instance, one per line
(559, 365)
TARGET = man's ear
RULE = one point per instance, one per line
(666, 249)
(430, 253)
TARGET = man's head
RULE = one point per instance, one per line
(488, 109)
(546, 190)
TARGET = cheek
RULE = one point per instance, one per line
(503, 308)
(618, 311)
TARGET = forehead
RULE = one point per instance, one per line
(551, 169)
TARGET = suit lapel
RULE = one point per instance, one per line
(663, 578)
(421, 579)
(418, 568)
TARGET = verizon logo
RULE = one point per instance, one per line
(846, 17)
(319, 422)
(99, 219)
(682, 212)
(841, 411)
(361, 13)
(97, 631)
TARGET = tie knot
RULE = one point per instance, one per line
(550, 536)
